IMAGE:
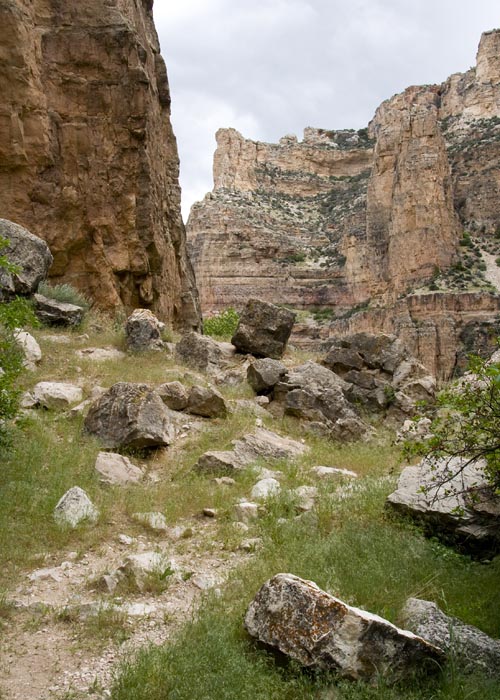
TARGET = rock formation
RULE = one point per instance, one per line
(389, 228)
(88, 159)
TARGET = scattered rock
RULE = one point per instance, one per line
(314, 393)
(263, 329)
(306, 497)
(210, 512)
(205, 581)
(101, 354)
(126, 540)
(263, 375)
(57, 313)
(117, 469)
(139, 569)
(246, 511)
(153, 520)
(219, 462)
(200, 352)
(29, 253)
(454, 500)
(74, 507)
(56, 395)
(224, 481)
(174, 395)
(414, 429)
(207, 402)
(143, 331)
(320, 631)
(266, 488)
(472, 650)
(251, 544)
(52, 574)
(130, 415)
(29, 346)
(332, 473)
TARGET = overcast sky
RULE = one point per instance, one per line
(272, 67)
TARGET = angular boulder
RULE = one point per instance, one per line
(74, 507)
(117, 469)
(264, 374)
(322, 632)
(130, 415)
(174, 395)
(473, 650)
(454, 501)
(314, 393)
(206, 402)
(56, 395)
(199, 352)
(57, 313)
(31, 350)
(263, 329)
(29, 253)
(143, 331)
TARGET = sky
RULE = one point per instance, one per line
(272, 67)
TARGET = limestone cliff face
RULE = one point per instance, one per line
(88, 159)
(370, 221)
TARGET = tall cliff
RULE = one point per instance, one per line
(88, 159)
(367, 228)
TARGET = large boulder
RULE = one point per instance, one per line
(130, 415)
(250, 448)
(264, 374)
(143, 331)
(473, 650)
(314, 393)
(380, 371)
(453, 499)
(57, 313)
(174, 395)
(29, 253)
(117, 469)
(263, 329)
(207, 402)
(56, 395)
(200, 352)
(322, 632)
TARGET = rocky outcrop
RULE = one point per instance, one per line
(365, 230)
(88, 159)
(453, 499)
(30, 256)
(321, 632)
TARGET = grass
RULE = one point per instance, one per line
(358, 553)
(349, 545)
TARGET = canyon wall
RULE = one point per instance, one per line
(366, 229)
(88, 159)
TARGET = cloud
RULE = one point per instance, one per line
(272, 67)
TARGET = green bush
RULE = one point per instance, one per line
(222, 325)
(64, 293)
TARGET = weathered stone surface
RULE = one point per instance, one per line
(363, 225)
(200, 352)
(74, 507)
(140, 569)
(130, 415)
(207, 402)
(117, 469)
(246, 511)
(314, 393)
(248, 449)
(265, 488)
(333, 473)
(264, 374)
(320, 631)
(56, 395)
(57, 313)
(174, 395)
(143, 331)
(29, 346)
(101, 354)
(89, 160)
(454, 500)
(29, 253)
(306, 497)
(263, 329)
(472, 650)
(154, 520)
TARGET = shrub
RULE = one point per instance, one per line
(64, 293)
(222, 325)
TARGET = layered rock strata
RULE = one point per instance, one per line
(88, 159)
(366, 229)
